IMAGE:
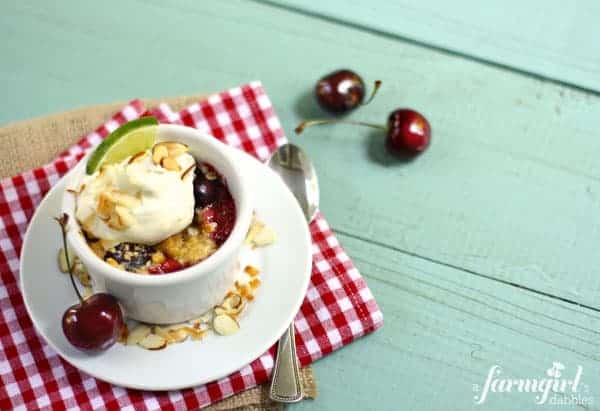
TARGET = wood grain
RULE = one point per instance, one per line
(548, 38)
(461, 246)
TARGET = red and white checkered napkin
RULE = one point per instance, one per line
(338, 307)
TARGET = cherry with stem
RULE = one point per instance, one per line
(92, 324)
(342, 91)
(407, 131)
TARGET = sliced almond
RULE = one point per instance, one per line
(125, 216)
(220, 310)
(105, 205)
(169, 163)
(159, 152)
(232, 305)
(225, 325)
(138, 334)
(153, 342)
(195, 333)
(116, 222)
(84, 278)
(62, 260)
(178, 335)
(187, 171)
(266, 236)
(175, 148)
(203, 319)
(255, 228)
(254, 283)
(136, 157)
(251, 270)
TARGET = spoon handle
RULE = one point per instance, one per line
(285, 385)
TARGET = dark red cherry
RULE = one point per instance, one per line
(93, 324)
(340, 91)
(408, 131)
(206, 191)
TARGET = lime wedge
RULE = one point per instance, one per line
(133, 137)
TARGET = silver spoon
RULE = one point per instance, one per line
(298, 173)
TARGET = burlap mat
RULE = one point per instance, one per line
(31, 143)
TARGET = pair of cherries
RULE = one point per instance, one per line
(407, 131)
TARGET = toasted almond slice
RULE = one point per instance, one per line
(203, 319)
(264, 237)
(62, 260)
(84, 279)
(105, 205)
(225, 325)
(255, 227)
(173, 333)
(78, 267)
(159, 152)
(153, 342)
(115, 222)
(187, 171)
(136, 157)
(162, 331)
(244, 290)
(195, 333)
(125, 216)
(175, 148)
(169, 163)
(178, 335)
(251, 270)
(220, 310)
(254, 283)
(232, 305)
(136, 335)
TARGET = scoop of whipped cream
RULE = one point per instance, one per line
(140, 202)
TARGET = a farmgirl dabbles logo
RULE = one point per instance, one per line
(557, 387)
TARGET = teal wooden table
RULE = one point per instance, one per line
(481, 252)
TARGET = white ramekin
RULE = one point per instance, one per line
(178, 296)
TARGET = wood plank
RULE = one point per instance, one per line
(550, 38)
(508, 189)
(443, 331)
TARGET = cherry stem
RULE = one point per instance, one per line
(310, 123)
(62, 221)
(376, 86)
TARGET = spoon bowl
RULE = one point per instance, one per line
(297, 171)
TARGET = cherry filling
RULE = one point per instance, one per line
(168, 266)
(215, 219)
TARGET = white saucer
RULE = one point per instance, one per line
(285, 274)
